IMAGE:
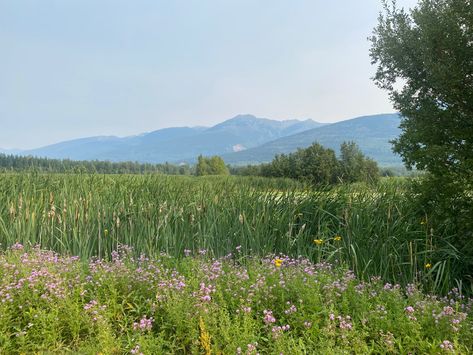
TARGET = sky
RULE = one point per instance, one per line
(77, 68)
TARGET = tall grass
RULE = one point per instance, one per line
(90, 215)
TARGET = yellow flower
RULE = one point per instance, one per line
(318, 241)
(337, 238)
(204, 337)
(428, 265)
(277, 262)
(423, 221)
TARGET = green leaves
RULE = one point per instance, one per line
(424, 60)
(211, 166)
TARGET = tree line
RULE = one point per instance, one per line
(315, 164)
(28, 163)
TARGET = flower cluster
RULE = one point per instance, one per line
(143, 324)
(251, 298)
(268, 317)
(278, 330)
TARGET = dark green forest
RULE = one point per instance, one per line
(18, 163)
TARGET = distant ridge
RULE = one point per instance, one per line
(177, 144)
(9, 151)
(243, 139)
(372, 133)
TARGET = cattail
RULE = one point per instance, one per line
(12, 211)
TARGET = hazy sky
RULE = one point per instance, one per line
(75, 68)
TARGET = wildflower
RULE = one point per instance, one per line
(409, 309)
(252, 348)
(277, 262)
(204, 292)
(268, 317)
(204, 337)
(17, 246)
(291, 310)
(448, 310)
(277, 330)
(337, 238)
(446, 345)
(136, 350)
(90, 305)
(318, 241)
(144, 324)
(247, 309)
(345, 325)
(428, 265)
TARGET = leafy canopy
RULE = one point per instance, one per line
(318, 165)
(211, 166)
(424, 60)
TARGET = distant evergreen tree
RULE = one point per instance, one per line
(20, 163)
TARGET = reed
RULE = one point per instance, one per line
(372, 229)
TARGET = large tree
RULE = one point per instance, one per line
(355, 166)
(424, 60)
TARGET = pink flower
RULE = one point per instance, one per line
(206, 298)
(268, 317)
(446, 345)
(247, 309)
(144, 324)
(448, 310)
(136, 350)
(291, 310)
(17, 246)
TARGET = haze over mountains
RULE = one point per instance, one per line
(372, 134)
(240, 140)
(10, 151)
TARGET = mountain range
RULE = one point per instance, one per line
(372, 134)
(244, 139)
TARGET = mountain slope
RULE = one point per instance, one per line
(179, 143)
(9, 151)
(371, 133)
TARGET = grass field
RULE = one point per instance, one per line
(372, 230)
(172, 229)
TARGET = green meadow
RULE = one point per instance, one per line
(151, 264)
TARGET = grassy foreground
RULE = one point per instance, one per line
(374, 230)
(231, 305)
